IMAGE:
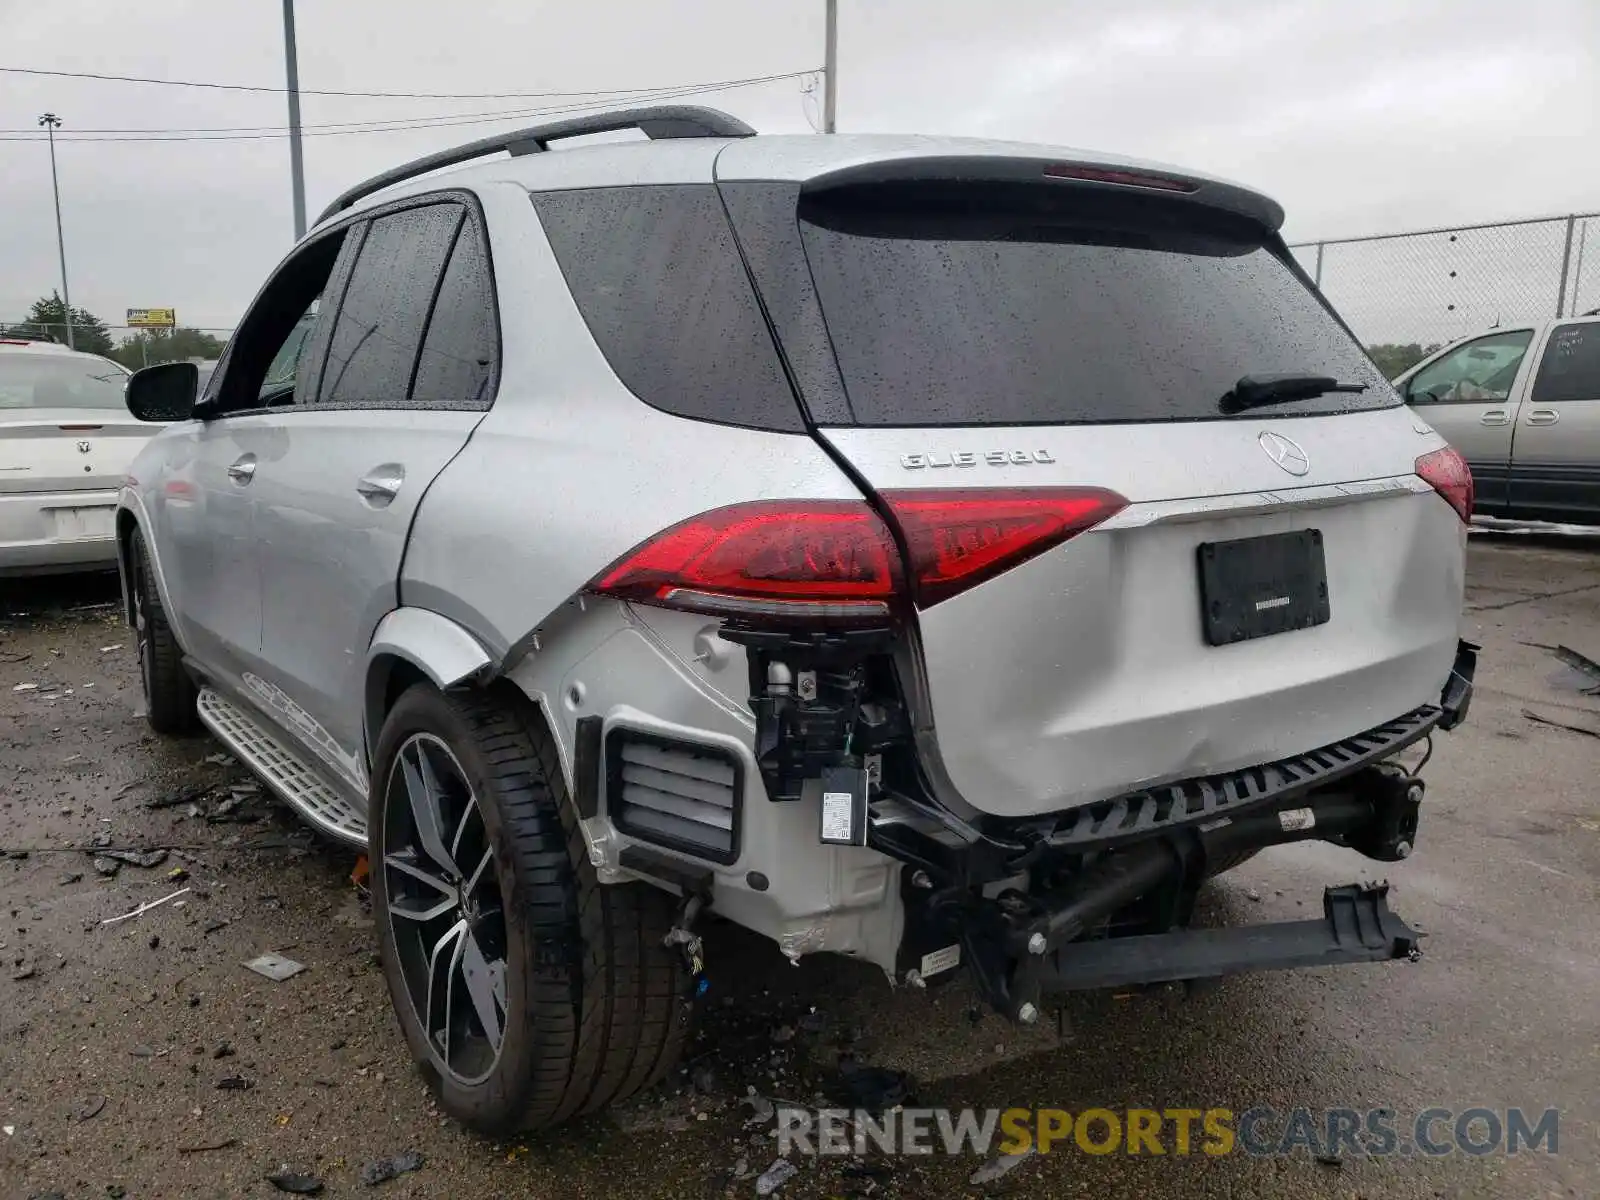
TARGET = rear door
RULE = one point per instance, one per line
(1005, 340)
(409, 370)
(1555, 464)
(1470, 395)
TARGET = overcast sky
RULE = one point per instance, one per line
(1358, 115)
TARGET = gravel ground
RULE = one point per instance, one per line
(114, 1038)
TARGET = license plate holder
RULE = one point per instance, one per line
(1260, 586)
(95, 522)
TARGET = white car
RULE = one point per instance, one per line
(66, 440)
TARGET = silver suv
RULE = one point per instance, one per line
(945, 553)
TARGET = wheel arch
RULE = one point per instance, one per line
(412, 645)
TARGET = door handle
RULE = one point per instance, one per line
(243, 470)
(1495, 416)
(381, 484)
(1543, 416)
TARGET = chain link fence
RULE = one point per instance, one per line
(1435, 285)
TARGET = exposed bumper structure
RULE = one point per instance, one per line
(1110, 894)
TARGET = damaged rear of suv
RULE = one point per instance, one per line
(943, 553)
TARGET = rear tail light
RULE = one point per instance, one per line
(791, 558)
(958, 538)
(1449, 475)
(837, 560)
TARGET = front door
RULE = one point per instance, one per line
(204, 518)
(406, 376)
(1469, 394)
(1555, 461)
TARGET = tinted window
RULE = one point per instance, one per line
(1482, 369)
(59, 381)
(386, 306)
(657, 276)
(1570, 368)
(1012, 304)
(458, 353)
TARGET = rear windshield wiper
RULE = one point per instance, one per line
(1257, 391)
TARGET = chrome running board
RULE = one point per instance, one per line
(266, 753)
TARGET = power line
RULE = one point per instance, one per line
(241, 87)
(370, 127)
(393, 125)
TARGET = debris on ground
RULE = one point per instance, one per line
(775, 1176)
(26, 687)
(361, 872)
(106, 866)
(183, 795)
(741, 1169)
(813, 1022)
(25, 972)
(704, 1079)
(1252, 894)
(1578, 661)
(1533, 716)
(223, 1050)
(91, 1108)
(762, 1110)
(207, 1147)
(71, 877)
(137, 858)
(234, 1083)
(386, 1169)
(1000, 1166)
(275, 967)
(110, 649)
(871, 1088)
(782, 1034)
(1331, 1160)
(144, 908)
(286, 1180)
(219, 759)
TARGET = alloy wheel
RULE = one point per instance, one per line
(445, 908)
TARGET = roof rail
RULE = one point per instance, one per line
(658, 121)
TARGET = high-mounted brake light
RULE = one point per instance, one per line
(1139, 179)
(796, 559)
(1450, 476)
(834, 560)
(958, 538)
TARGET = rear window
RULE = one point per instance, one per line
(998, 304)
(657, 276)
(52, 381)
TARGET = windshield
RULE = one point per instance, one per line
(59, 381)
(988, 304)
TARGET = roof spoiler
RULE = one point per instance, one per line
(655, 122)
(1100, 176)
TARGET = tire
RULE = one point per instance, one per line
(1227, 862)
(592, 1007)
(169, 693)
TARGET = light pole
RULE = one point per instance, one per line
(51, 123)
(296, 163)
(830, 68)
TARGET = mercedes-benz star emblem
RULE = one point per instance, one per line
(83, 447)
(1286, 452)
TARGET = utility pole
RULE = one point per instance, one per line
(51, 123)
(296, 163)
(830, 70)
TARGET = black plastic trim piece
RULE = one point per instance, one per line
(1357, 926)
(1146, 813)
(586, 765)
(613, 768)
(686, 877)
(655, 122)
(1456, 698)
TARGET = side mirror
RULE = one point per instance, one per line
(164, 393)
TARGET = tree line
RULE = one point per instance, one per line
(48, 319)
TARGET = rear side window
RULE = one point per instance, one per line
(385, 308)
(59, 381)
(1002, 304)
(1570, 368)
(657, 276)
(457, 364)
